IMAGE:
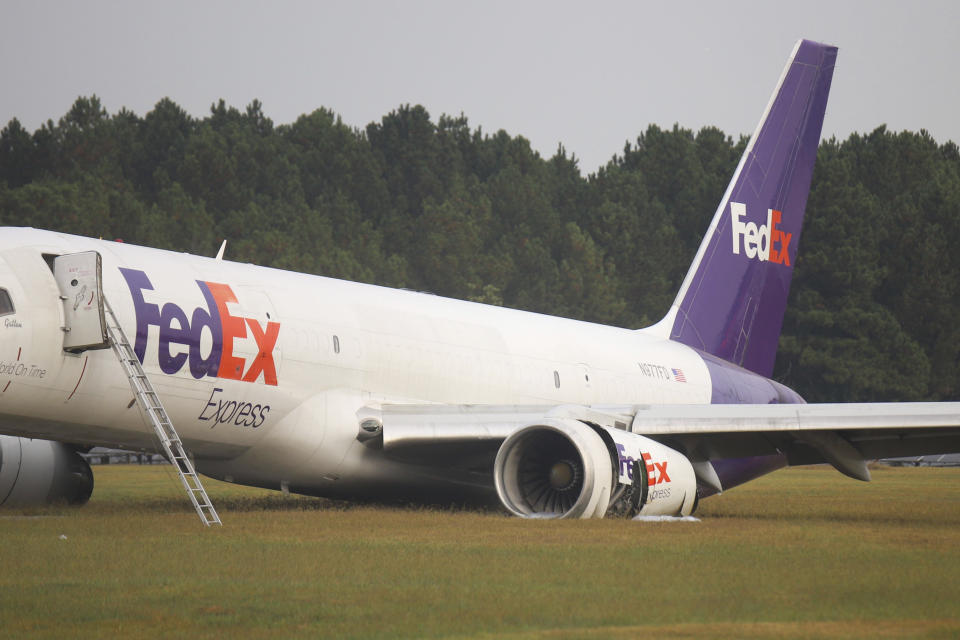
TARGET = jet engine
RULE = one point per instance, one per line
(558, 469)
(39, 472)
(566, 468)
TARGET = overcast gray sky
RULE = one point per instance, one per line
(588, 75)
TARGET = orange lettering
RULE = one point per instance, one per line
(264, 359)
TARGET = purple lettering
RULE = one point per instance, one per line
(168, 333)
(232, 406)
(209, 318)
(263, 416)
(210, 403)
(626, 462)
(243, 413)
(147, 312)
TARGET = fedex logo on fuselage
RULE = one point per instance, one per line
(180, 334)
(765, 242)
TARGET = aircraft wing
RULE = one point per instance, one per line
(844, 435)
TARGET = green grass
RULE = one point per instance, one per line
(801, 553)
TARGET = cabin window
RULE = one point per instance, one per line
(556, 379)
(336, 344)
(6, 304)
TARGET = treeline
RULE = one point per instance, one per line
(438, 206)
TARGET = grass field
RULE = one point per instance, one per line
(801, 553)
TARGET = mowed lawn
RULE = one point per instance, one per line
(801, 553)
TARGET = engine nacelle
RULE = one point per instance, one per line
(565, 468)
(40, 472)
(559, 468)
(657, 480)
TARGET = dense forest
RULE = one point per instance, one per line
(440, 207)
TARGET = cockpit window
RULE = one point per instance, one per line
(6, 304)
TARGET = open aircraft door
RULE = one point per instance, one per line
(79, 279)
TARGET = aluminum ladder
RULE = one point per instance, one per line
(153, 409)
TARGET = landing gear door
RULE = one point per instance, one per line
(79, 279)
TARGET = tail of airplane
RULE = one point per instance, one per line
(732, 300)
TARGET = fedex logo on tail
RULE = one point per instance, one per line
(766, 242)
(180, 334)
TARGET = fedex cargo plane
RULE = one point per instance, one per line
(330, 388)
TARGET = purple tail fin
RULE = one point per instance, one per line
(732, 300)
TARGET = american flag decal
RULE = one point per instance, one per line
(678, 375)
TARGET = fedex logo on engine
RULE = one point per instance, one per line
(765, 242)
(178, 329)
(656, 471)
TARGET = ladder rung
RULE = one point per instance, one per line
(157, 416)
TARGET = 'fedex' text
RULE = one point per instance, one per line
(765, 242)
(178, 328)
(656, 471)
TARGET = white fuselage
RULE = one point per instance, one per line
(337, 347)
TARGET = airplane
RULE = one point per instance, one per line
(323, 387)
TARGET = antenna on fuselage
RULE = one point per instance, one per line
(223, 247)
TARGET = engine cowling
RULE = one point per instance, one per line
(565, 468)
(559, 468)
(39, 472)
(653, 479)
